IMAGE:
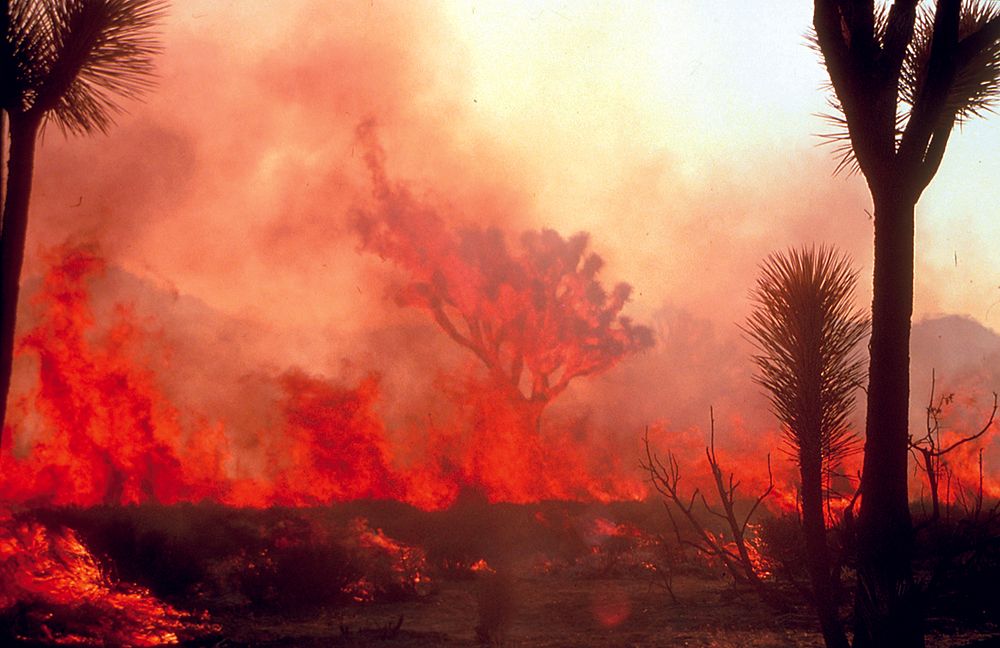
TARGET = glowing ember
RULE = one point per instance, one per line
(755, 546)
(481, 566)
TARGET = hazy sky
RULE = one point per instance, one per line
(681, 134)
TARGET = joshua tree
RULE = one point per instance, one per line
(536, 317)
(66, 61)
(807, 332)
(903, 75)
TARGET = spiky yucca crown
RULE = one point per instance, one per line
(806, 330)
(974, 91)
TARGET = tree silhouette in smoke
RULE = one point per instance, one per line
(537, 316)
(807, 332)
(903, 75)
(66, 61)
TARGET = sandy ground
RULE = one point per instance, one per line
(551, 612)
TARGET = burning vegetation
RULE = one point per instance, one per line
(124, 505)
(54, 592)
(99, 421)
(323, 506)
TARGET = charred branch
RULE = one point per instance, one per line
(735, 554)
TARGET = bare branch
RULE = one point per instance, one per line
(762, 497)
(985, 428)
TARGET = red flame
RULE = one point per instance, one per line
(104, 434)
(97, 428)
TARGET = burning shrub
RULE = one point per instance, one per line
(391, 570)
(52, 590)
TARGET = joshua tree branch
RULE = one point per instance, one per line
(974, 44)
(935, 152)
(446, 324)
(928, 110)
(898, 34)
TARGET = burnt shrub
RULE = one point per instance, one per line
(959, 561)
(278, 558)
(296, 577)
(784, 545)
(170, 550)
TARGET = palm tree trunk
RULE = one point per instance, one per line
(886, 609)
(3, 155)
(23, 132)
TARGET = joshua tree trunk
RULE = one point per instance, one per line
(886, 610)
(23, 132)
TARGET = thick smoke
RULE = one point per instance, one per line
(223, 211)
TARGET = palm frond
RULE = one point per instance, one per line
(976, 86)
(807, 331)
(25, 54)
(75, 58)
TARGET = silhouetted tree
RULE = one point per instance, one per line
(807, 332)
(903, 75)
(536, 317)
(66, 61)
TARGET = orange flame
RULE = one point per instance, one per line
(66, 598)
(97, 428)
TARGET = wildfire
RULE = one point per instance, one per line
(55, 592)
(755, 547)
(97, 427)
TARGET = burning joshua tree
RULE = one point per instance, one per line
(536, 316)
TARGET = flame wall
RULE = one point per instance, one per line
(198, 316)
